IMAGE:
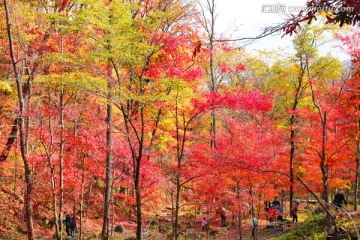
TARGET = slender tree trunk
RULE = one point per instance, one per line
(53, 185)
(107, 197)
(177, 207)
(178, 174)
(357, 159)
(74, 202)
(252, 201)
(16, 171)
(240, 215)
(82, 196)
(209, 217)
(109, 145)
(136, 158)
(298, 90)
(28, 201)
(292, 151)
(239, 212)
(53, 181)
(61, 158)
(324, 167)
(172, 208)
(211, 32)
(356, 190)
(88, 198)
(138, 202)
(24, 132)
(112, 203)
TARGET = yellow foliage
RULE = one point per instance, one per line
(5, 87)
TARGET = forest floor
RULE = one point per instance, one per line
(311, 225)
(221, 233)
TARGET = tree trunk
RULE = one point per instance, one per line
(240, 224)
(28, 201)
(292, 151)
(88, 198)
(239, 212)
(298, 90)
(138, 203)
(107, 194)
(16, 171)
(324, 168)
(61, 158)
(177, 207)
(178, 174)
(24, 129)
(356, 190)
(53, 180)
(136, 157)
(82, 198)
(211, 32)
(112, 203)
(74, 202)
(53, 185)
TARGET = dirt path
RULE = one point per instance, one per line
(232, 232)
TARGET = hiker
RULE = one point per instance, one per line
(68, 223)
(254, 226)
(339, 199)
(294, 211)
(73, 227)
(223, 219)
(203, 224)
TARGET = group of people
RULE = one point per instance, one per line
(70, 225)
(204, 222)
(274, 210)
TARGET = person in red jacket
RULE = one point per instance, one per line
(294, 212)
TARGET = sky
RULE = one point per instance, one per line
(247, 18)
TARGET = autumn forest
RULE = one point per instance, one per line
(139, 112)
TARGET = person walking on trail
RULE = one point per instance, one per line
(73, 227)
(203, 224)
(339, 199)
(68, 223)
(254, 225)
(223, 219)
(294, 212)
